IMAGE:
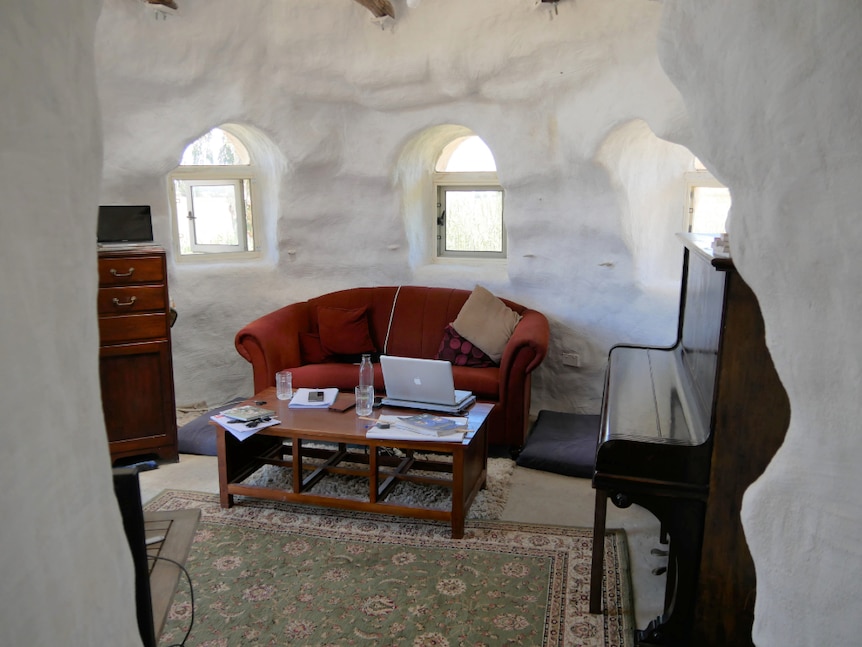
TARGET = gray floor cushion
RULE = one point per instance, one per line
(563, 443)
(199, 436)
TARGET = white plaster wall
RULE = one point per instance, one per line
(774, 91)
(65, 568)
(349, 105)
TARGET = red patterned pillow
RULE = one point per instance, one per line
(461, 352)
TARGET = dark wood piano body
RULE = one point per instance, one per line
(684, 431)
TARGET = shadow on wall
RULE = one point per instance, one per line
(648, 174)
(413, 179)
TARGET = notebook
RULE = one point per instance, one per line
(422, 384)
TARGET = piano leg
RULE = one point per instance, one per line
(598, 568)
(682, 518)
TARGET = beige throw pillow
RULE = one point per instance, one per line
(487, 322)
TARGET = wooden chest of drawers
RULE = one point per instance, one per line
(135, 365)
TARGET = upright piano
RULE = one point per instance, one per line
(684, 431)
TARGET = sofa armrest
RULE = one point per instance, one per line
(525, 350)
(528, 342)
(271, 343)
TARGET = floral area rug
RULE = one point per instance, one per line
(269, 573)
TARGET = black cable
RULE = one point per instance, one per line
(191, 597)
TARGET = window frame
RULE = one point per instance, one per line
(242, 175)
(694, 180)
(466, 181)
(241, 232)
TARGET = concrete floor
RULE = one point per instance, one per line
(534, 497)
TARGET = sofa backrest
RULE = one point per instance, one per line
(377, 301)
(419, 317)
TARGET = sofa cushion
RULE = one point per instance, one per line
(312, 350)
(487, 322)
(483, 382)
(461, 352)
(198, 436)
(563, 443)
(344, 331)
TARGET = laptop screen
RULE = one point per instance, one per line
(419, 380)
(125, 224)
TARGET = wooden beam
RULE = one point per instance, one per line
(379, 8)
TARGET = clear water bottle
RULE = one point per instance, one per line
(366, 371)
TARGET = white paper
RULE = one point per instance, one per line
(300, 399)
(239, 429)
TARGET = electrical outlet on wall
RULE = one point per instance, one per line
(571, 358)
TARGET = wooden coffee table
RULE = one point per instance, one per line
(351, 453)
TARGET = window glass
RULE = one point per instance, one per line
(709, 208)
(708, 201)
(213, 197)
(474, 220)
(216, 148)
(469, 201)
(466, 154)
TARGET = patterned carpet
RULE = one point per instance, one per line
(267, 573)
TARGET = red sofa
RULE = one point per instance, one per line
(286, 338)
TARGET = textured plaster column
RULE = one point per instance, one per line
(66, 570)
(774, 92)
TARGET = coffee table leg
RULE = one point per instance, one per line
(373, 475)
(296, 452)
(225, 499)
(458, 494)
(237, 460)
(457, 526)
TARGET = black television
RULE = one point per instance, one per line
(125, 224)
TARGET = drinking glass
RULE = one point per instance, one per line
(284, 385)
(364, 400)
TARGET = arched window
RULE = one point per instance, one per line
(707, 201)
(469, 201)
(213, 197)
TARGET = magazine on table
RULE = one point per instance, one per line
(430, 424)
(242, 429)
(248, 412)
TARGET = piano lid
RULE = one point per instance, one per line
(663, 411)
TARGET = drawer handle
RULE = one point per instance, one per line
(124, 304)
(122, 276)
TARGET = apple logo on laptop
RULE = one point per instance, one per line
(417, 381)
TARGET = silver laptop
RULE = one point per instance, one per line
(422, 384)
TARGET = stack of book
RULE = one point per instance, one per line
(247, 413)
(245, 420)
(428, 424)
(423, 427)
